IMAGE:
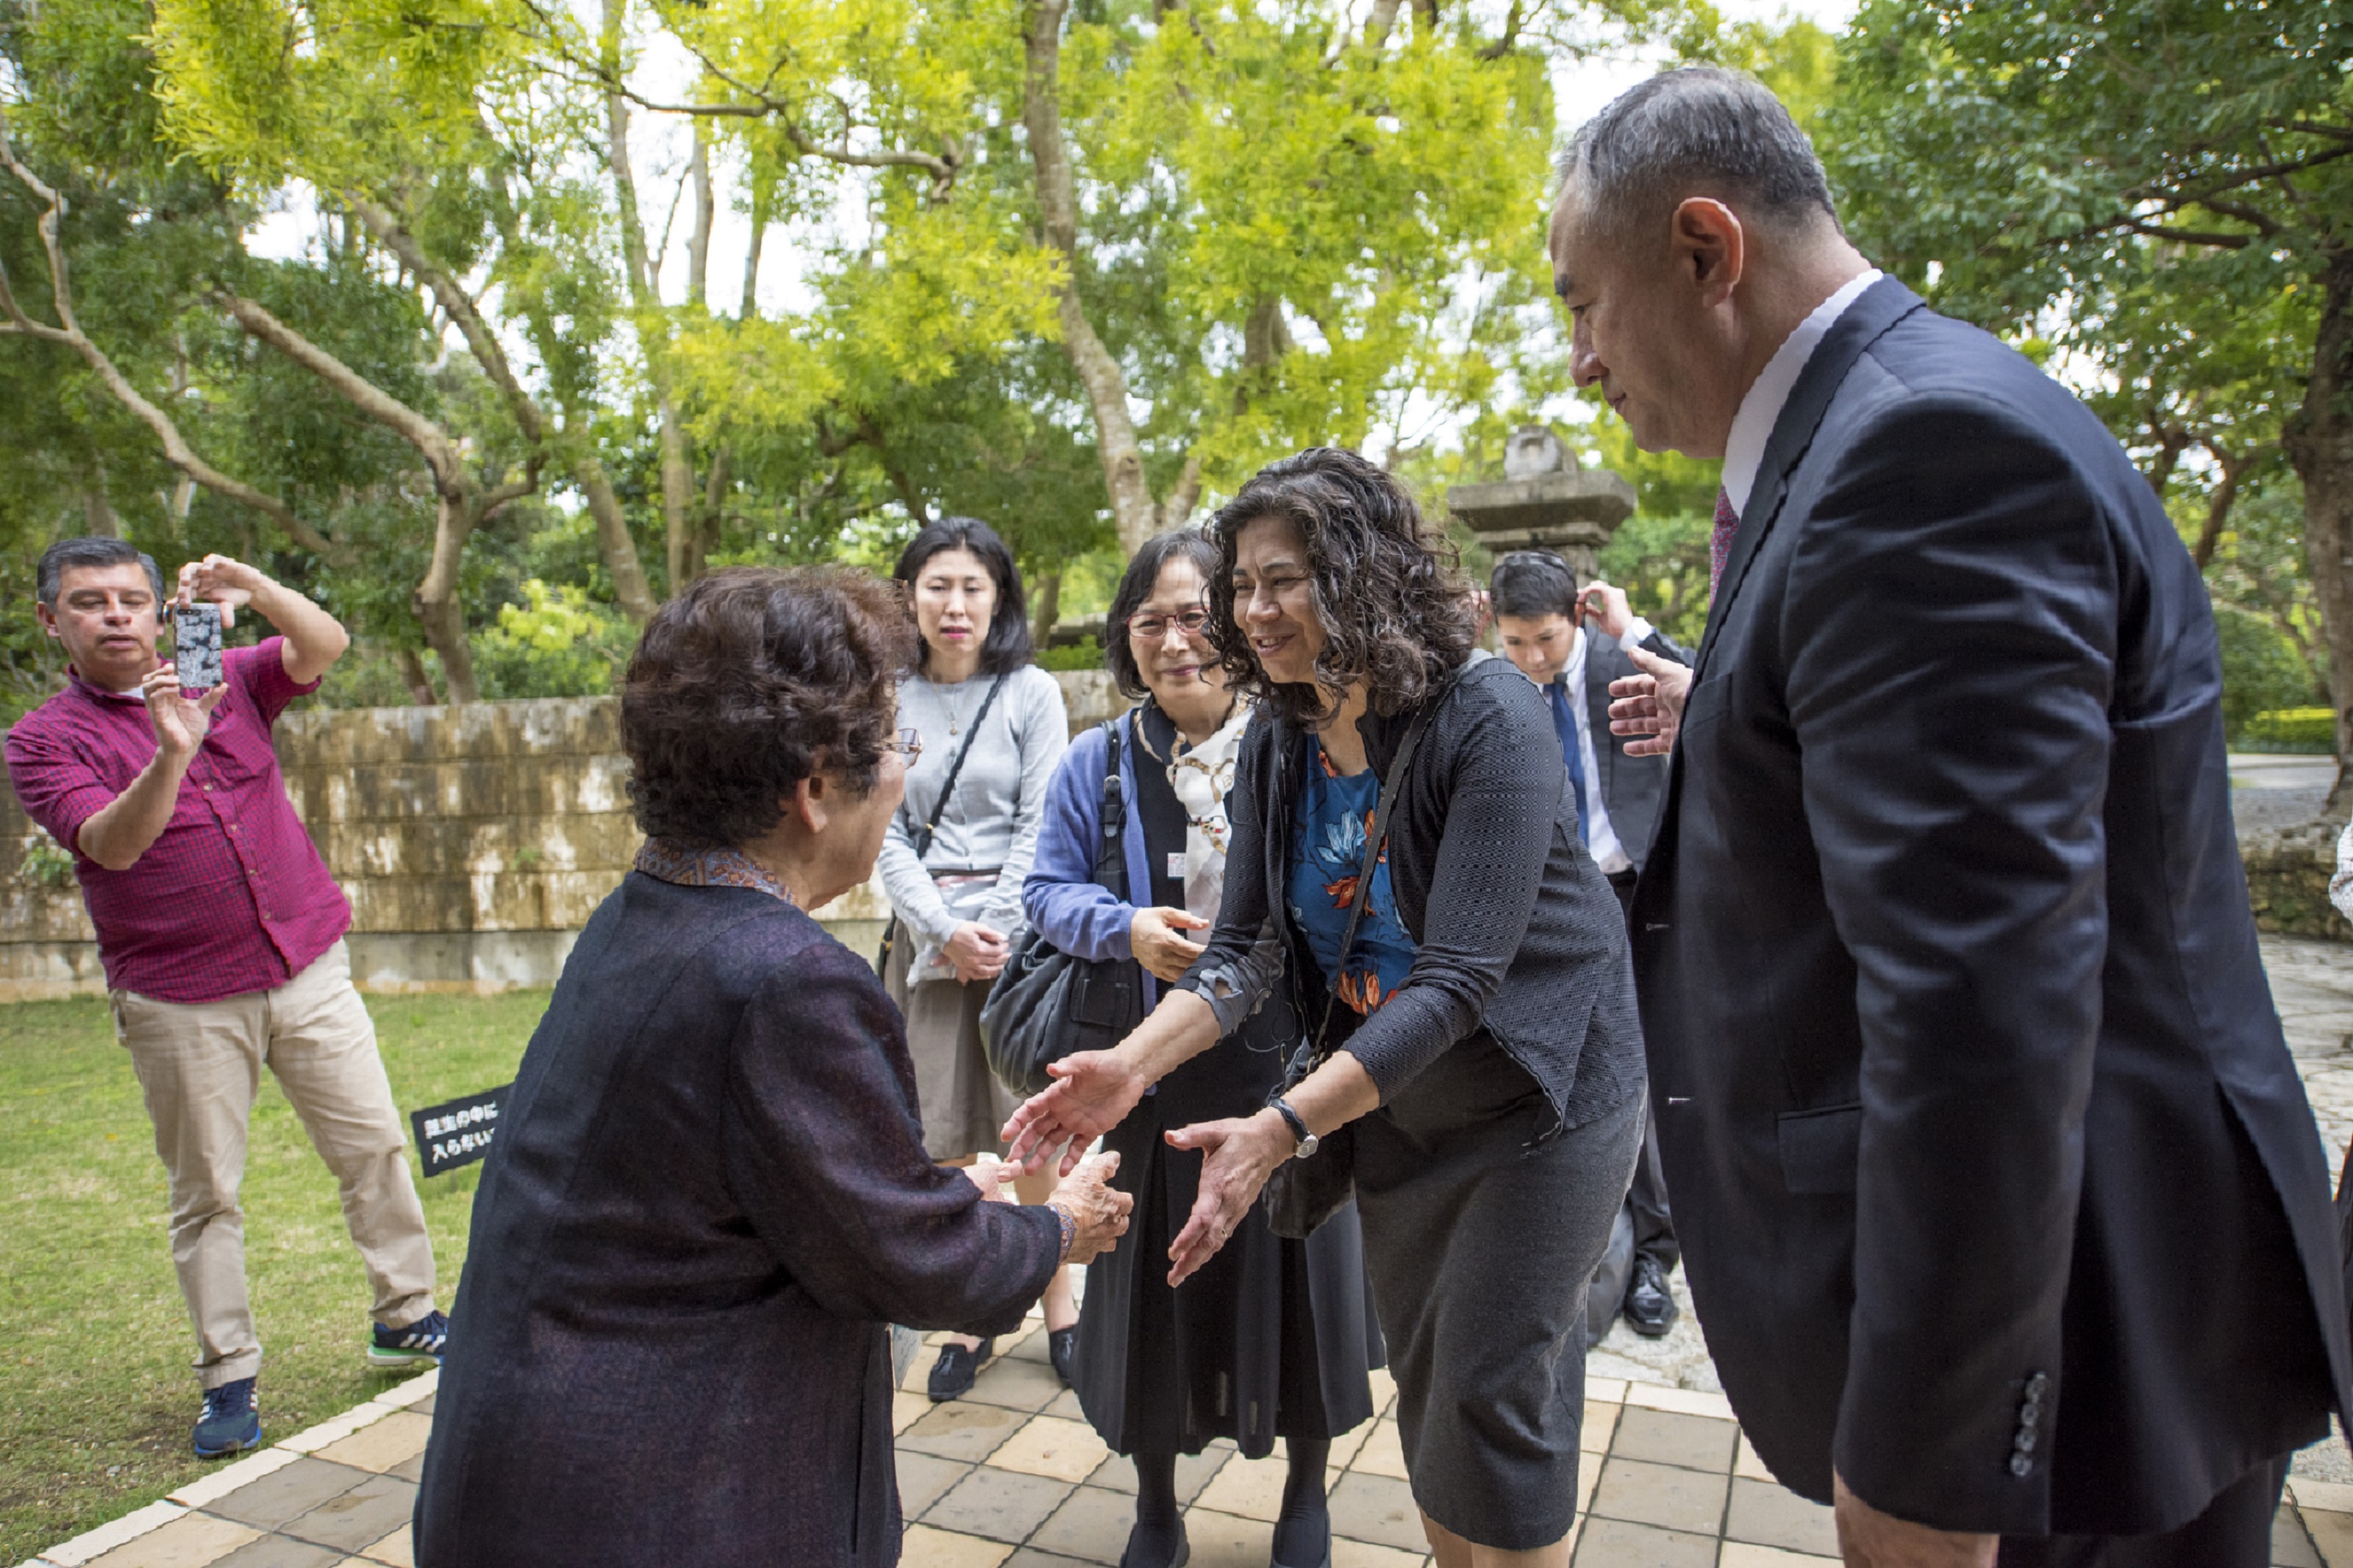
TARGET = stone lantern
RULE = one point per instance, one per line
(1544, 501)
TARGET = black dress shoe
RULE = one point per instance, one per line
(1061, 1344)
(952, 1374)
(1651, 1309)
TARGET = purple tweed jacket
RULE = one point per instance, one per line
(708, 1197)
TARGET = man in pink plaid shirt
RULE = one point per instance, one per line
(222, 936)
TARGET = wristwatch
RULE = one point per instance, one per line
(1308, 1141)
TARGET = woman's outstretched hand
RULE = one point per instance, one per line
(1099, 1211)
(1092, 1093)
(1236, 1158)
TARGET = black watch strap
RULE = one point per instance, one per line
(1298, 1127)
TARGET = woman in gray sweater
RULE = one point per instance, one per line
(956, 889)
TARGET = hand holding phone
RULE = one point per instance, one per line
(196, 648)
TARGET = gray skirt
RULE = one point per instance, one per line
(1478, 1240)
(963, 1105)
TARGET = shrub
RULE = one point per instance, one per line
(561, 643)
(2262, 671)
(1084, 654)
(2309, 730)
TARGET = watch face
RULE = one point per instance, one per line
(1308, 1145)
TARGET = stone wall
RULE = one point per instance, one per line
(2288, 870)
(473, 842)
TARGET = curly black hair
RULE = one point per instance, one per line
(1388, 588)
(751, 680)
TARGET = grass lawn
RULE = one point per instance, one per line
(96, 1393)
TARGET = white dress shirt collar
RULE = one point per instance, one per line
(1760, 410)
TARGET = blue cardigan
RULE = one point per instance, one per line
(1062, 898)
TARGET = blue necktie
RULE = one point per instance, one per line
(1565, 722)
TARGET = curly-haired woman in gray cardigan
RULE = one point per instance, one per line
(1489, 1056)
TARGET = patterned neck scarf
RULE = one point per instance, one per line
(694, 866)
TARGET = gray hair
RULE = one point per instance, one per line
(92, 549)
(1701, 131)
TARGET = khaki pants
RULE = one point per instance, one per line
(199, 1065)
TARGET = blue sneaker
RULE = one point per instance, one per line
(231, 1422)
(419, 1344)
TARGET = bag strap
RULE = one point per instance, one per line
(1376, 839)
(955, 768)
(1111, 850)
(922, 840)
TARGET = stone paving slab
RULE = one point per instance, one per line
(1012, 1476)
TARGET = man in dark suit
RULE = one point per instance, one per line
(1573, 644)
(2000, 1201)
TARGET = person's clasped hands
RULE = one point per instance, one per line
(976, 952)
(1098, 1211)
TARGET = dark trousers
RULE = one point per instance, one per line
(2235, 1532)
(1646, 1200)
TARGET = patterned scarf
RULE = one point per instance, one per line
(1202, 776)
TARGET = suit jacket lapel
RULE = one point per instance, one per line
(1878, 308)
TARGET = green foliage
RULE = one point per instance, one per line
(2151, 195)
(2300, 729)
(2262, 670)
(44, 863)
(557, 642)
(1084, 654)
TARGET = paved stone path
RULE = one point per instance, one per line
(1013, 1478)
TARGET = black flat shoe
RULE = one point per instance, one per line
(1651, 1309)
(1278, 1561)
(1061, 1344)
(1184, 1553)
(952, 1373)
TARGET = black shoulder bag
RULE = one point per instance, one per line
(932, 827)
(1046, 1004)
(1302, 1193)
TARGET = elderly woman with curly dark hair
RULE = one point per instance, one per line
(709, 1194)
(1483, 1045)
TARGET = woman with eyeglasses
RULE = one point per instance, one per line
(1465, 965)
(709, 1194)
(954, 859)
(1273, 1338)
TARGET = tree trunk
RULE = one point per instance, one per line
(613, 541)
(1049, 608)
(2320, 442)
(97, 510)
(706, 212)
(716, 483)
(413, 675)
(2217, 504)
(684, 560)
(439, 611)
(750, 306)
(1133, 511)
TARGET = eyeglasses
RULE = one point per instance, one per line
(1152, 628)
(910, 744)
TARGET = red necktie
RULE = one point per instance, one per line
(1719, 548)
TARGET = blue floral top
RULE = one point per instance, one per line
(1327, 856)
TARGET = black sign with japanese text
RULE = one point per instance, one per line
(457, 1132)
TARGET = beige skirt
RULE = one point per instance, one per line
(963, 1105)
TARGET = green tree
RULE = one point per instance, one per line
(2163, 190)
